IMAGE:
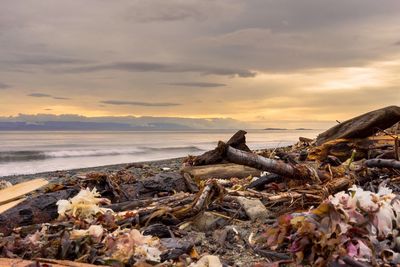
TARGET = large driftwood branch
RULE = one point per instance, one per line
(362, 126)
(299, 171)
(383, 163)
(238, 140)
(37, 209)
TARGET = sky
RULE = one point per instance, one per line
(266, 63)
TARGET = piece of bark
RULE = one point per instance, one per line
(299, 171)
(220, 171)
(238, 140)
(383, 163)
(362, 126)
(37, 209)
(163, 182)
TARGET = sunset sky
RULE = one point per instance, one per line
(269, 62)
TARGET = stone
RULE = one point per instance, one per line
(254, 208)
(207, 261)
(207, 221)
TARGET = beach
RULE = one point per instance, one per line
(61, 176)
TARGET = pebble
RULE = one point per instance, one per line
(206, 222)
(254, 208)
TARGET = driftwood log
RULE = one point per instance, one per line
(35, 210)
(383, 163)
(299, 171)
(220, 171)
(362, 126)
(238, 140)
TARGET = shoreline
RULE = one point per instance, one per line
(60, 175)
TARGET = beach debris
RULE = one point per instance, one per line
(254, 208)
(356, 224)
(207, 221)
(220, 171)
(94, 231)
(238, 140)
(383, 163)
(84, 205)
(207, 261)
(4, 184)
(37, 209)
(11, 193)
(130, 245)
(362, 126)
(327, 203)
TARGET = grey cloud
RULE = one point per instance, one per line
(4, 86)
(61, 98)
(39, 95)
(160, 67)
(176, 10)
(143, 104)
(47, 95)
(43, 60)
(198, 84)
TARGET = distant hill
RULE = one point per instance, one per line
(86, 126)
(275, 129)
(71, 122)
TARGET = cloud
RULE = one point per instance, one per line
(61, 98)
(165, 68)
(198, 84)
(177, 10)
(39, 95)
(143, 104)
(4, 86)
(45, 60)
(47, 95)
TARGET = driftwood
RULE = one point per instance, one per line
(16, 191)
(299, 171)
(220, 171)
(238, 140)
(35, 210)
(260, 183)
(383, 163)
(362, 126)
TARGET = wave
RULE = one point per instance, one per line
(11, 156)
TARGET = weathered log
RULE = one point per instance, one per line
(299, 171)
(220, 171)
(37, 209)
(383, 163)
(362, 126)
(238, 140)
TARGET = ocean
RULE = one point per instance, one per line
(34, 152)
